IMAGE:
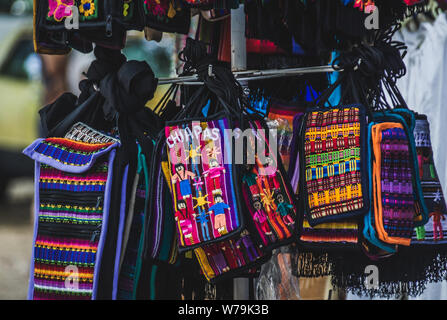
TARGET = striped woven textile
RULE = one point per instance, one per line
(69, 217)
(331, 232)
(130, 269)
(332, 163)
(392, 184)
(218, 259)
(435, 231)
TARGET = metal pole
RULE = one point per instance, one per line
(238, 41)
(239, 63)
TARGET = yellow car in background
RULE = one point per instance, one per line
(21, 92)
(22, 88)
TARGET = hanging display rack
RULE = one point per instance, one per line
(249, 75)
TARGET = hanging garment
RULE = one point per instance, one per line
(424, 86)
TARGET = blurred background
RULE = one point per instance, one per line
(29, 81)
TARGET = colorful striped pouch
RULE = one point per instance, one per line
(333, 164)
(72, 199)
(435, 231)
(394, 206)
(229, 258)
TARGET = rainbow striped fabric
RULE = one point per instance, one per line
(343, 232)
(333, 163)
(71, 201)
(225, 257)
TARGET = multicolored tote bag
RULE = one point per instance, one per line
(266, 190)
(373, 244)
(398, 205)
(435, 231)
(231, 257)
(63, 24)
(73, 183)
(333, 157)
(166, 16)
(395, 205)
(204, 190)
(281, 116)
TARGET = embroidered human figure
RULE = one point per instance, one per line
(260, 216)
(248, 244)
(437, 216)
(215, 255)
(230, 257)
(249, 178)
(219, 207)
(269, 171)
(213, 174)
(183, 176)
(202, 219)
(283, 208)
(185, 221)
(422, 159)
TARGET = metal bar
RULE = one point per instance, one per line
(255, 74)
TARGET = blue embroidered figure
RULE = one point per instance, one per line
(219, 213)
(202, 218)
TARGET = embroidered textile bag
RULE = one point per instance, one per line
(269, 198)
(230, 257)
(61, 24)
(72, 199)
(284, 117)
(434, 232)
(398, 204)
(166, 16)
(333, 164)
(204, 193)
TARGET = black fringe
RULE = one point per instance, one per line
(405, 274)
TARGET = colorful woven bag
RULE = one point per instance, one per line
(166, 16)
(281, 116)
(231, 257)
(63, 24)
(434, 232)
(204, 194)
(333, 164)
(72, 199)
(394, 207)
(266, 190)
